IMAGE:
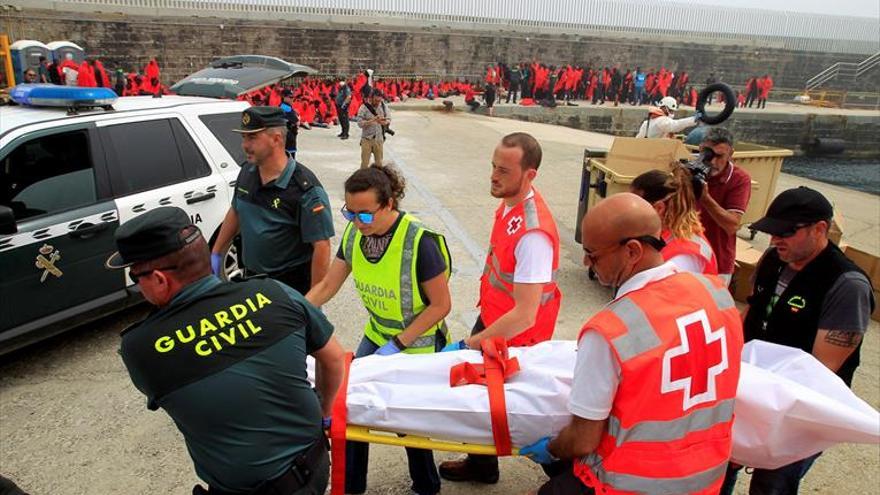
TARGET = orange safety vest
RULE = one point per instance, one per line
(697, 246)
(669, 430)
(496, 284)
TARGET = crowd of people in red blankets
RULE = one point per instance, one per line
(313, 99)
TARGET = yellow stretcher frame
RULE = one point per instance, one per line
(6, 60)
(358, 433)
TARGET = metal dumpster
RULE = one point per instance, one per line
(607, 172)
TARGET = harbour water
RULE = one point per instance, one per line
(862, 175)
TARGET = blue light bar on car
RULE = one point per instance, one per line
(51, 95)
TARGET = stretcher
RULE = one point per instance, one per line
(789, 406)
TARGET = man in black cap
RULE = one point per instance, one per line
(227, 362)
(807, 295)
(280, 208)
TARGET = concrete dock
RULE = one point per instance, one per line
(73, 423)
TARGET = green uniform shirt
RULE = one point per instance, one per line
(279, 220)
(246, 410)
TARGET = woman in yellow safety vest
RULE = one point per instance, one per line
(401, 272)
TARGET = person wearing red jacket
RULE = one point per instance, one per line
(765, 84)
(519, 298)
(86, 78)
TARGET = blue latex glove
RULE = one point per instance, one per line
(698, 116)
(216, 263)
(325, 423)
(539, 451)
(455, 346)
(387, 349)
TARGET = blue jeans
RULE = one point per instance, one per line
(422, 471)
(779, 481)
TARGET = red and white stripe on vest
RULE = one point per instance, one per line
(678, 342)
(496, 284)
(697, 245)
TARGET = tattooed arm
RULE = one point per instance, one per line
(833, 347)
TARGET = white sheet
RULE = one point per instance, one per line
(789, 406)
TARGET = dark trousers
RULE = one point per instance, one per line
(298, 277)
(762, 102)
(779, 481)
(343, 121)
(514, 89)
(422, 471)
(750, 98)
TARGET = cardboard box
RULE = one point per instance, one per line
(835, 230)
(869, 263)
(876, 315)
(747, 258)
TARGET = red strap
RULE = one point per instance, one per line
(495, 369)
(339, 416)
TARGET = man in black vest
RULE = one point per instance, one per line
(227, 362)
(807, 295)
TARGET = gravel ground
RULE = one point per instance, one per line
(72, 423)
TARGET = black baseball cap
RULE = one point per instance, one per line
(256, 119)
(151, 235)
(793, 209)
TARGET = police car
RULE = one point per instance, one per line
(70, 176)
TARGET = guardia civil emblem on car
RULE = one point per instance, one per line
(46, 260)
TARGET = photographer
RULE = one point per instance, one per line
(724, 198)
(373, 119)
(660, 123)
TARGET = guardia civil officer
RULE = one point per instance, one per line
(280, 208)
(401, 271)
(227, 362)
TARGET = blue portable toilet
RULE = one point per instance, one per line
(60, 49)
(25, 55)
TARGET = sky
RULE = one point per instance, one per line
(858, 8)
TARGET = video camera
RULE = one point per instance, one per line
(700, 168)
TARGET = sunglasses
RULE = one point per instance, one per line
(657, 244)
(794, 230)
(364, 218)
(135, 277)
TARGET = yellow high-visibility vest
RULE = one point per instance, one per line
(389, 288)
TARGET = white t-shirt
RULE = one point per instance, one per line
(690, 263)
(596, 370)
(534, 255)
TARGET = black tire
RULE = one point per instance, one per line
(729, 103)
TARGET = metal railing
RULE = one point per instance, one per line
(649, 18)
(843, 70)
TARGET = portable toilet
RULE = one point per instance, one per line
(25, 55)
(60, 49)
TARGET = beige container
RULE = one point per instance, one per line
(613, 171)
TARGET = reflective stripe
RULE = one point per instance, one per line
(720, 295)
(406, 273)
(386, 322)
(348, 250)
(496, 265)
(494, 282)
(705, 248)
(657, 486)
(640, 335)
(675, 429)
(547, 297)
(420, 342)
(531, 211)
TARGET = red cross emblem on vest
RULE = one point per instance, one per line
(513, 225)
(693, 366)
